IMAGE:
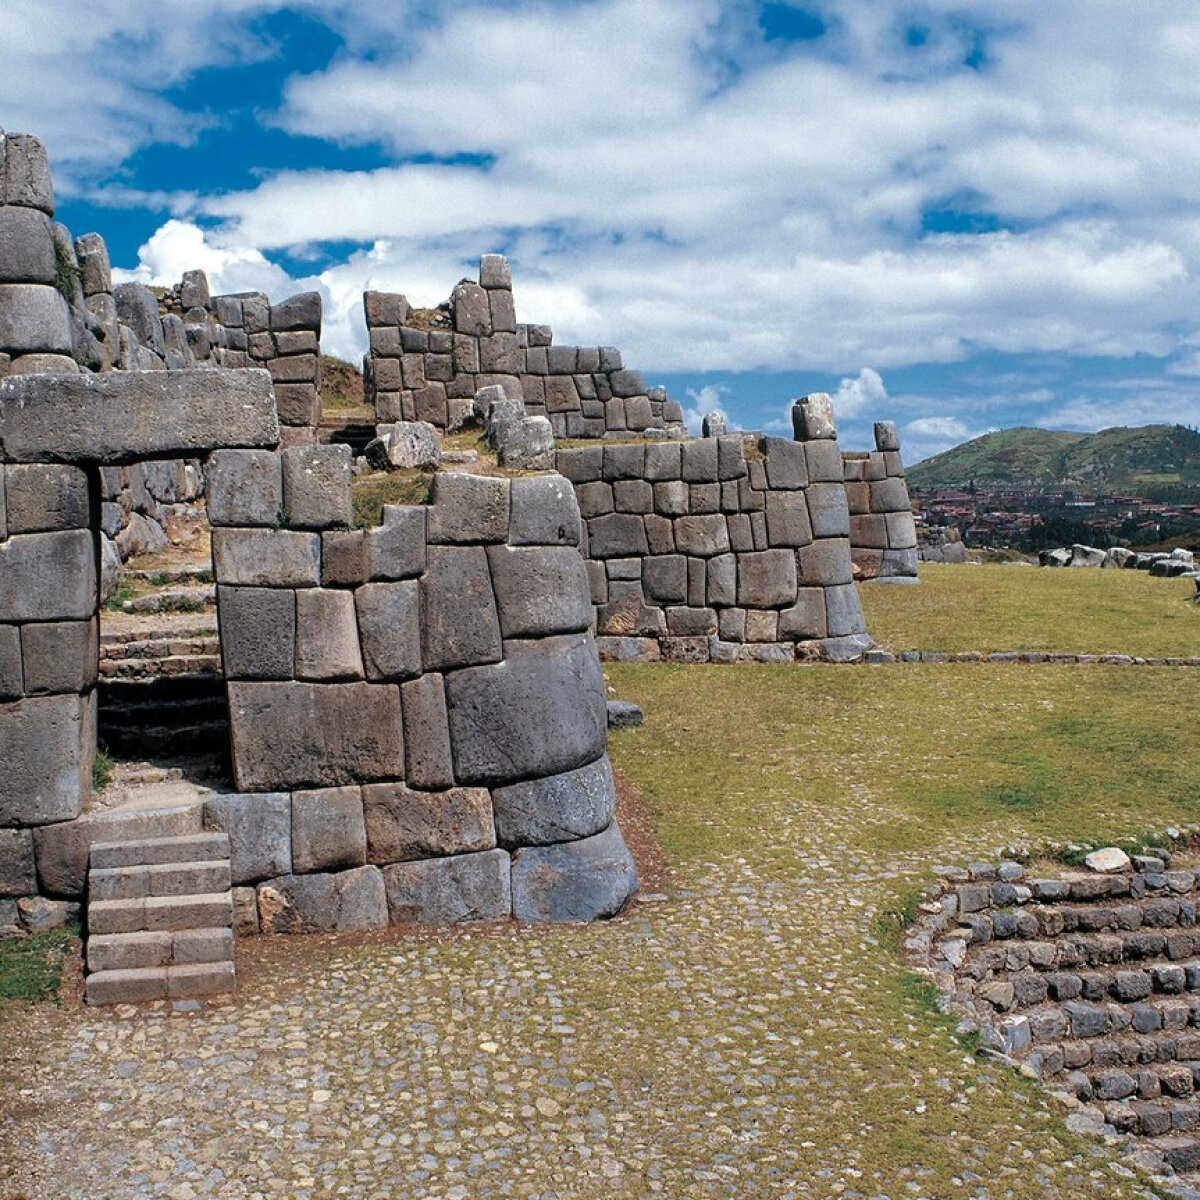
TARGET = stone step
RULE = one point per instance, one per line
(159, 983)
(194, 847)
(160, 913)
(1153, 1118)
(202, 626)
(1181, 1152)
(160, 879)
(204, 665)
(197, 738)
(133, 951)
(166, 646)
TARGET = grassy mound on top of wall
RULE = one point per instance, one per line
(997, 608)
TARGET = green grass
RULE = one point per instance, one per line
(102, 770)
(369, 494)
(996, 608)
(31, 968)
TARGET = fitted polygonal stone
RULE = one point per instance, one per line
(327, 645)
(314, 735)
(328, 830)
(540, 590)
(45, 497)
(138, 310)
(886, 436)
(889, 495)
(494, 271)
(267, 557)
(459, 623)
(343, 557)
(766, 579)
(785, 463)
(545, 512)
(428, 765)
(126, 416)
(788, 521)
(389, 626)
(332, 903)
(26, 247)
(396, 550)
(258, 633)
(825, 562)
(316, 486)
(17, 874)
(624, 462)
(824, 462)
(869, 531)
(583, 464)
(806, 619)
(385, 308)
(472, 314)
(539, 712)
(663, 461)
(34, 319)
(297, 312)
(450, 891)
(60, 656)
(672, 498)
(25, 168)
(702, 537)
(46, 746)
(259, 825)
(812, 417)
(843, 611)
(700, 462)
(902, 530)
(628, 383)
(48, 576)
(468, 508)
(244, 487)
(617, 535)
(526, 445)
(559, 808)
(403, 824)
(574, 881)
(827, 510)
(12, 677)
(721, 581)
(664, 578)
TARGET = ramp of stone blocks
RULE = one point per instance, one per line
(159, 919)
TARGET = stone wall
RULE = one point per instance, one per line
(883, 535)
(427, 365)
(721, 549)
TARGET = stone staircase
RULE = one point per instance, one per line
(159, 919)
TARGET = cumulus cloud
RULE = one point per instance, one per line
(865, 392)
(704, 400)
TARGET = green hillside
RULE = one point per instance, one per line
(1113, 460)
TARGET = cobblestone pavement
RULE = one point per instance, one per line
(749, 1037)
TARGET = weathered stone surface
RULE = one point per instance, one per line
(806, 619)
(328, 830)
(559, 808)
(450, 891)
(788, 522)
(664, 578)
(624, 714)
(494, 271)
(824, 462)
(545, 512)
(813, 419)
(267, 557)
(702, 537)
(827, 561)
(406, 444)
(1109, 860)
(617, 535)
(259, 825)
(827, 510)
(459, 623)
(574, 881)
(60, 656)
(258, 633)
(245, 487)
(403, 824)
(843, 611)
(17, 874)
(429, 766)
(396, 550)
(389, 626)
(34, 319)
(343, 557)
(12, 678)
(48, 576)
(344, 901)
(289, 735)
(472, 314)
(891, 495)
(540, 712)
(766, 579)
(26, 247)
(526, 445)
(125, 416)
(25, 167)
(316, 486)
(302, 311)
(540, 590)
(327, 645)
(886, 436)
(468, 508)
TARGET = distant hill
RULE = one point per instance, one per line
(1113, 460)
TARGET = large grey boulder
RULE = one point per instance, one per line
(1054, 558)
(17, 874)
(459, 623)
(138, 312)
(766, 579)
(95, 272)
(48, 576)
(44, 497)
(328, 830)
(575, 881)
(259, 825)
(545, 512)
(558, 808)
(405, 444)
(34, 319)
(327, 646)
(1086, 556)
(540, 590)
(59, 656)
(258, 633)
(450, 891)
(25, 177)
(396, 549)
(468, 508)
(245, 487)
(887, 437)
(316, 486)
(813, 419)
(26, 247)
(526, 445)
(390, 628)
(403, 824)
(539, 712)
(428, 762)
(332, 903)
(267, 557)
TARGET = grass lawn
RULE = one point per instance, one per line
(31, 968)
(1001, 607)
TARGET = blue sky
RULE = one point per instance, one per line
(958, 221)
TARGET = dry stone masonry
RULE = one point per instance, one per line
(427, 365)
(883, 535)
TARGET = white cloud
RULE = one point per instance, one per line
(864, 393)
(942, 427)
(704, 400)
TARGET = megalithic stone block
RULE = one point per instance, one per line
(558, 808)
(34, 319)
(94, 269)
(48, 577)
(46, 745)
(813, 419)
(26, 247)
(575, 881)
(26, 178)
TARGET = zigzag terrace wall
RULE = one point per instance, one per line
(427, 365)
(417, 711)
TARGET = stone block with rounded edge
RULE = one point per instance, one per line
(827, 510)
(843, 611)
(259, 825)
(558, 808)
(17, 874)
(526, 445)
(539, 712)
(494, 272)
(327, 646)
(459, 623)
(26, 247)
(396, 549)
(46, 497)
(48, 576)
(389, 622)
(450, 891)
(540, 590)
(60, 656)
(316, 486)
(901, 530)
(788, 522)
(766, 579)
(403, 824)
(125, 416)
(302, 311)
(806, 619)
(890, 495)
(328, 830)
(267, 557)
(244, 487)
(887, 437)
(472, 314)
(813, 419)
(324, 903)
(428, 762)
(34, 319)
(343, 557)
(824, 461)
(785, 463)
(664, 578)
(869, 531)
(385, 308)
(258, 632)
(617, 535)
(581, 880)
(544, 512)
(825, 563)
(25, 177)
(289, 735)
(702, 537)
(468, 508)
